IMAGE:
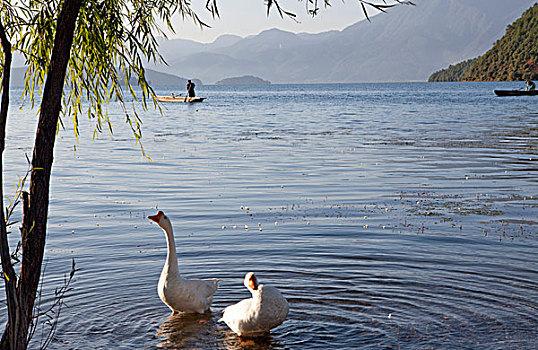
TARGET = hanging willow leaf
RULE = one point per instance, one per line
(365, 13)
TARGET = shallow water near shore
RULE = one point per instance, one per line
(391, 215)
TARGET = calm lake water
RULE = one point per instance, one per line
(393, 216)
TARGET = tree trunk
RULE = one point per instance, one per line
(34, 224)
(10, 277)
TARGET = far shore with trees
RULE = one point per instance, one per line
(514, 57)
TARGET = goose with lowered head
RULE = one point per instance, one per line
(256, 316)
(181, 294)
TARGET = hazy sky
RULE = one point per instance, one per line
(247, 17)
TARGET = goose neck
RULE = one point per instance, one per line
(171, 259)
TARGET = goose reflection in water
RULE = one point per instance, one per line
(234, 342)
(202, 331)
(187, 331)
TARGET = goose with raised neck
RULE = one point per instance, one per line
(178, 293)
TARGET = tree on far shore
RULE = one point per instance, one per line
(78, 51)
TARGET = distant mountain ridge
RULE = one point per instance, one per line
(155, 78)
(406, 44)
(244, 80)
(159, 79)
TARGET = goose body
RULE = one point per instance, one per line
(257, 315)
(178, 293)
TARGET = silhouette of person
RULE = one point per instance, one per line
(531, 86)
(190, 88)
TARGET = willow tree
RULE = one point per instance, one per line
(78, 51)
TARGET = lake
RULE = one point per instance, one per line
(392, 216)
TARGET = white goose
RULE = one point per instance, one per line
(180, 294)
(257, 315)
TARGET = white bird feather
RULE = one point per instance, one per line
(256, 316)
(181, 294)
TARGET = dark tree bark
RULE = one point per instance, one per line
(10, 276)
(34, 224)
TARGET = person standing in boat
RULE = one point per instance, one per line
(190, 88)
(531, 86)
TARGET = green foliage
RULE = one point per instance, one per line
(112, 43)
(113, 39)
(514, 56)
(454, 72)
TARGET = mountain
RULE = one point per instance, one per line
(244, 80)
(405, 44)
(454, 72)
(514, 56)
(156, 79)
(171, 49)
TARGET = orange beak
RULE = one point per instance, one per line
(156, 217)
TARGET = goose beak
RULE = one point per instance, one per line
(156, 217)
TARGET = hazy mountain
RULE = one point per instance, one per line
(172, 49)
(244, 80)
(406, 44)
(156, 79)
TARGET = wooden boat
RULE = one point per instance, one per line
(516, 93)
(184, 99)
